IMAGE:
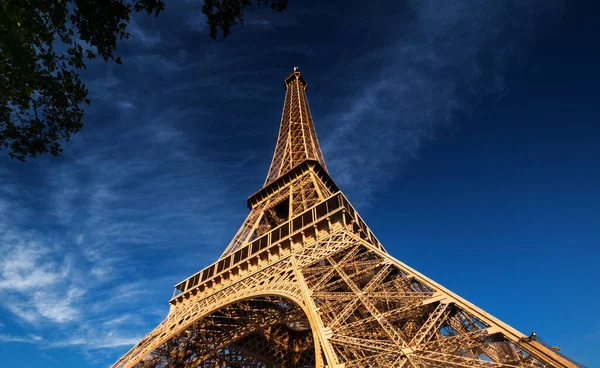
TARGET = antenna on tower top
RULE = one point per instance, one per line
(295, 68)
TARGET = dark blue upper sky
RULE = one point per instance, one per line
(465, 134)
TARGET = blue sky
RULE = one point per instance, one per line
(466, 134)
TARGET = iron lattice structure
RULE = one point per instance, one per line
(305, 283)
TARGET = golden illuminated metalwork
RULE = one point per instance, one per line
(305, 283)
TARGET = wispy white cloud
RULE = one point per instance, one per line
(110, 340)
(146, 38)
(34, 284)
(32, 339)
(128, 318)
(127, 105)
(442, 61)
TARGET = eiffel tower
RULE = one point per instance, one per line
(305, 283)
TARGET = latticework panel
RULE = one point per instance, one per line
(382, 315)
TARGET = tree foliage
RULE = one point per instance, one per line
(222, 14)
(45, 43)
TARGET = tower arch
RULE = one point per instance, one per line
(266, 329)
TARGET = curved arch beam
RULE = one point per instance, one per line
(287, 290)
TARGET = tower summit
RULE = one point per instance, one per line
(297, 140)
(305, 283)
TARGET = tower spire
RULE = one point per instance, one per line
(297, 140)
